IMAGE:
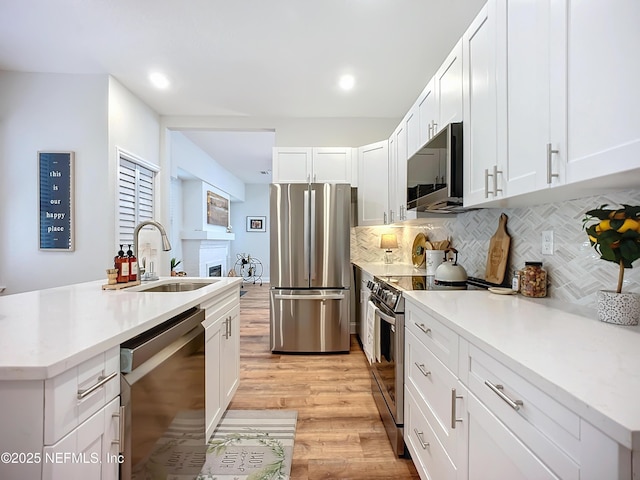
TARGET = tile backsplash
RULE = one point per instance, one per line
(575, 271)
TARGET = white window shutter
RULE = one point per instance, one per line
(135, 198)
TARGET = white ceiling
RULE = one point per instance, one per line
(256, 58)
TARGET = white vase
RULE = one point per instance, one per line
(618, 308)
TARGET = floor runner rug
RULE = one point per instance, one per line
(251, 445)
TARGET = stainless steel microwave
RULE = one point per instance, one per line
(434, 173)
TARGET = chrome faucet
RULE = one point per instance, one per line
(166, 246)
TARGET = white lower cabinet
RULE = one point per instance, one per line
(222, 355)
(429, 455)
(90, 451)
(495, 452)
(473, 417)
(230, 354)
(65, 427)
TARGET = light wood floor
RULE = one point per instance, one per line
(339, 434)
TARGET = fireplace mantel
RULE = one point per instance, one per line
(206, 235)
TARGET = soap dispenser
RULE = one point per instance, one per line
(122, 264)
(133, 265)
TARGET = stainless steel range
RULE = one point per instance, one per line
(387, 358)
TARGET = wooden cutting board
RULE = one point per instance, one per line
(498, 253)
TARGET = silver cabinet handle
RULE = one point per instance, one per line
(495, 180)
(423, 444)
(430, 131)
(486, 183)
(384, 216)
(498, 390)
(434, 130)
(422, 327)
(101, 381)
(121, 419)
(454, 397)
(550, 174)
(494, 176)
(391, 218)
(226, 328)
(424, 371)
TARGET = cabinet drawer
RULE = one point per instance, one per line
(442, 341)
(550, 430)
(427, 452)
(64, 409)
(432, 383)
(215, 307)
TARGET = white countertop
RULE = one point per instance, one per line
(45, 332)
(591, 367)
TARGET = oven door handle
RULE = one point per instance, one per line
(385, 317)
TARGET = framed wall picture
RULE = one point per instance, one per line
(217, 209)
(256, 224)
(55, 193)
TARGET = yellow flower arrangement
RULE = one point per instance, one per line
(615, 236)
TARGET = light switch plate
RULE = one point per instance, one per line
(547, 242)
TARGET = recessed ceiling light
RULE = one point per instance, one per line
(159, 80)
(347, 82)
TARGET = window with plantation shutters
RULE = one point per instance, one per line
(135, 197)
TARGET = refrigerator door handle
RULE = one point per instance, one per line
(312, 259)
(306, 226)
(319, 296)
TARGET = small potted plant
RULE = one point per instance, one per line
(174, 264)
(615, 235)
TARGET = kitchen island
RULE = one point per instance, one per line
(60, 369)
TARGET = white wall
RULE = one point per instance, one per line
(255, 243)
(89, 115)
(135, 128)
(53, 112)
(190, 158)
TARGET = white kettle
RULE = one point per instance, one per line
(449, 275)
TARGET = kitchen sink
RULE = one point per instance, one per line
(175, 286)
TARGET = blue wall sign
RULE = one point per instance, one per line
(56, 200)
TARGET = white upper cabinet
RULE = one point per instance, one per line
(427, 113)
(412, 126)
(398, 175)
(448, 89)
(484, 110)
(603, 97)
(291, 164)
(440, 103)
(312, 164)
(373, 184)
(331, 165)
(534, 45)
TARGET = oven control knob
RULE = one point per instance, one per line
(394, 299)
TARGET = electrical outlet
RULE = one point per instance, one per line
(547, 242)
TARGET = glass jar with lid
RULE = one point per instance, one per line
(533, 280)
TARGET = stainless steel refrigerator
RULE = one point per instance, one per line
(310, 267)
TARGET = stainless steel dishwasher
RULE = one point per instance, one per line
(163, 390)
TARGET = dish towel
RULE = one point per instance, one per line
(369, 333)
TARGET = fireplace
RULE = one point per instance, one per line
(214, 270)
